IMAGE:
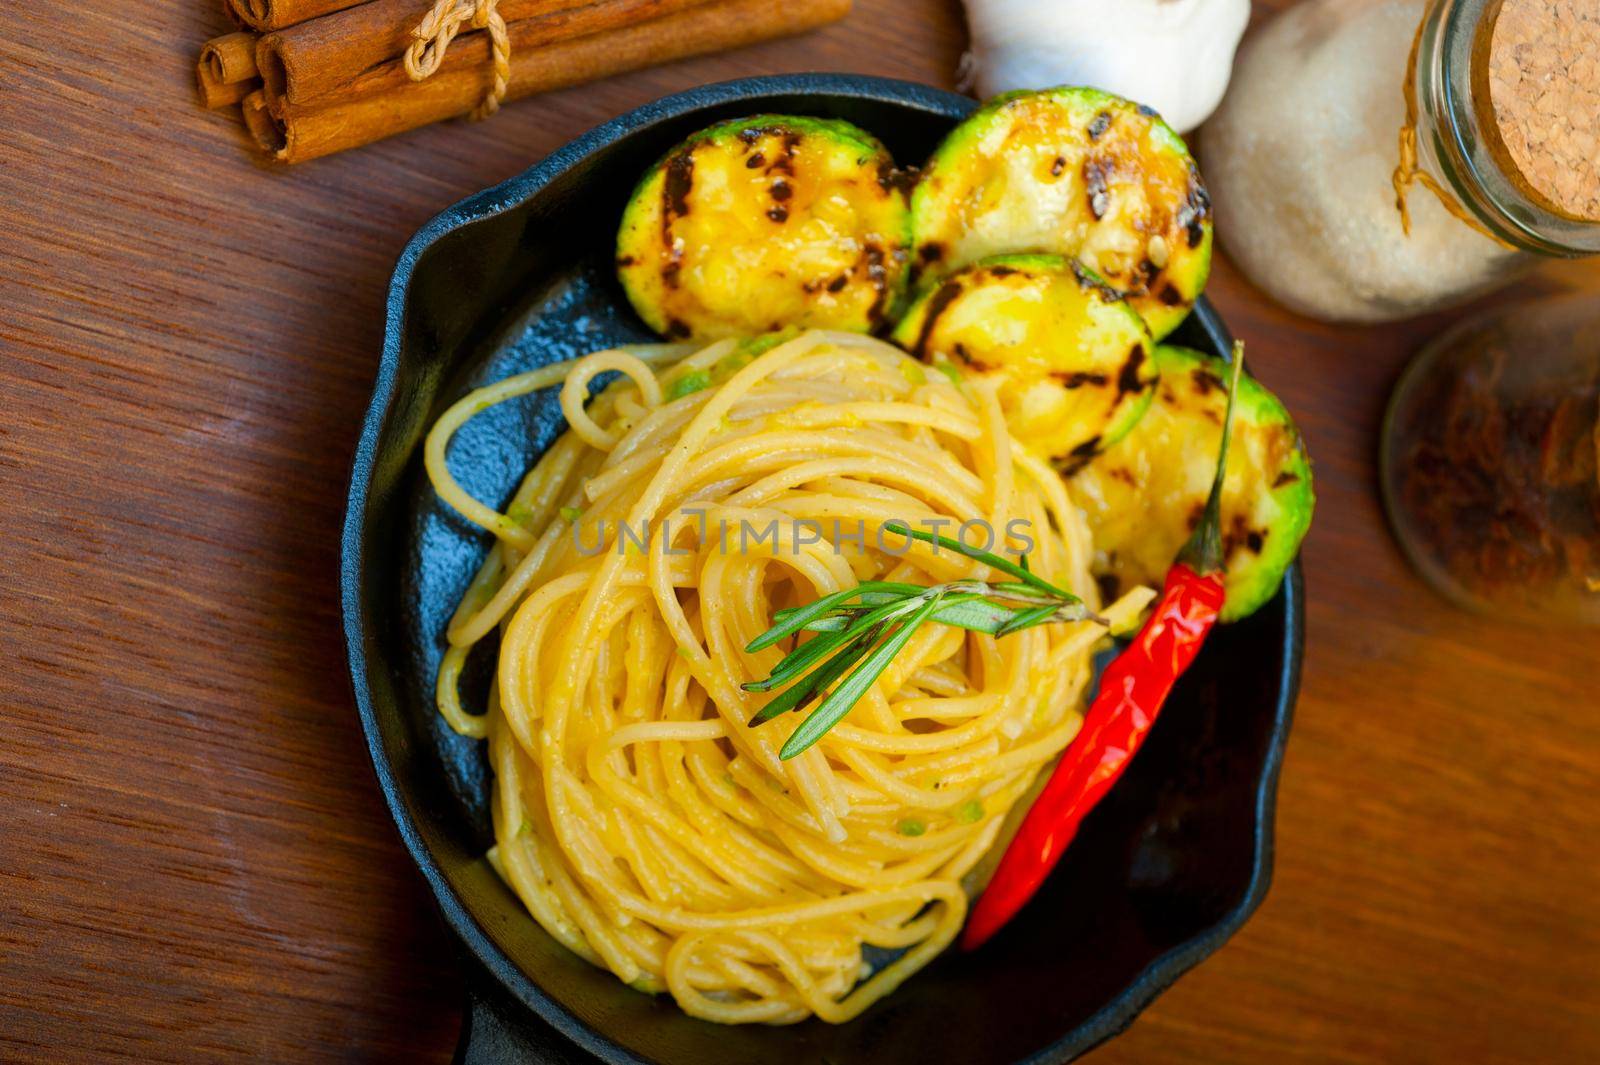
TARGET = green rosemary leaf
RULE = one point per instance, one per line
(853, 687)
(813, 683)
(979, 615)
(793, 622)
(988, 558)
(1027, 619)
(1017, 592)
(1069, 609)
(831, 620)
(808, 654)
(967, 610)
(976, 614)
(802, 658)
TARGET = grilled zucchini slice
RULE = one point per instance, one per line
(1074, 172)
(1144, 496)
(765, 222)
(1072, 361)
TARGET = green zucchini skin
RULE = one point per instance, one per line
(1075, 172)
(1143, 496)
(1072, 362)
(767, 222)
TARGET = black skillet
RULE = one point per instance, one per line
(518, 276)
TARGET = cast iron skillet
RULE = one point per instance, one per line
(520, 275)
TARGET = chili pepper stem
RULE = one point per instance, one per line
(1203, 552)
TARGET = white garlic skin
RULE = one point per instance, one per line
(1172, 55)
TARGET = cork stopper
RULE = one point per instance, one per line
(1542, 65)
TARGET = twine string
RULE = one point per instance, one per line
(432, 37)
(1408, 171)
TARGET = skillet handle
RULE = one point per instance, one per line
(496, 1031)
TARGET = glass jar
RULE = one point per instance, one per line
(1490, 464)
(1300, 161)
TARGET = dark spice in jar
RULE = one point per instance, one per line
(1499, 475)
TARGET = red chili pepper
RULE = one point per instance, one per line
(1132, 691)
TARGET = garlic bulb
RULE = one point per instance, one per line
(1172, 55)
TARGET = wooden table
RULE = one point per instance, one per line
(194, 860)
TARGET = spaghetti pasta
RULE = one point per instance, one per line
(640, 820)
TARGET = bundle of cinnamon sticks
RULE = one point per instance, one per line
(314, 77)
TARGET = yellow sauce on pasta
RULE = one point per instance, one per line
(641, 821)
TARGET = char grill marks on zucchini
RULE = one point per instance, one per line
(764, 223)
(1144, 496)
(1071, 361)
(1074, 172)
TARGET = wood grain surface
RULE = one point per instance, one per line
(194, 860)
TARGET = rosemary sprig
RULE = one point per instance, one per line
(859, 630)
(1022, 572)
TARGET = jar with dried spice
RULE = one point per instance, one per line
(1491, 461)
(1375, 159)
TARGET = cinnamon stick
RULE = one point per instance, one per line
(226, 72)
(266, 15)
(258, 118)
(231, 57)
(319, 58)
(214, 97)
(385, 102)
